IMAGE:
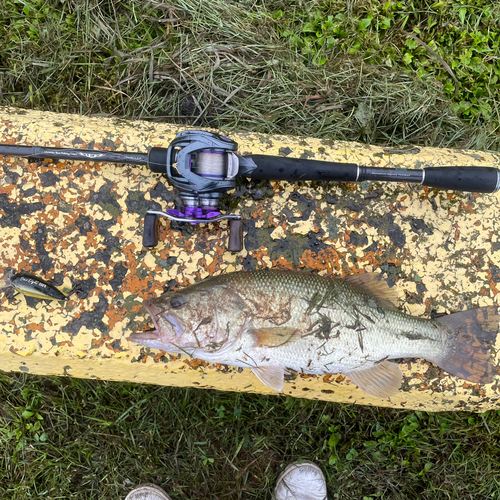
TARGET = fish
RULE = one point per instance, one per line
(277, 321)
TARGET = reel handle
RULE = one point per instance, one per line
(151, 236)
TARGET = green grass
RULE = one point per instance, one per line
(337, 69)
(452, 45)
(79, 439)
(418, 72)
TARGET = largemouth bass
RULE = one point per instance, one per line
(272, 321)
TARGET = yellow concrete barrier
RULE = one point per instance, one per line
(76, 222)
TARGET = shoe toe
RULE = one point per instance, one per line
(147, 492)
(303, 481)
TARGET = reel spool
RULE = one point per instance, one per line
(202, 167)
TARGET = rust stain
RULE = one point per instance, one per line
(34, 327)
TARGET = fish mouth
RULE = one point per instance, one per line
(138, 338)
(172, 320)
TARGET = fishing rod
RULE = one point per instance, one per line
(203, 167)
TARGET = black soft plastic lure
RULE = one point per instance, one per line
(32, 286)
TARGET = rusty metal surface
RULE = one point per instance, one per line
(80, 222)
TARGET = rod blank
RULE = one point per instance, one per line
(40, 153)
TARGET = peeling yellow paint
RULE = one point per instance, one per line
(149, 261)
(302, 227)
(445, 264)
(278, 234)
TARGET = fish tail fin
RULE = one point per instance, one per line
(472, 334)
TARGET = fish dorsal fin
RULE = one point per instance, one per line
(274, 336)
(376, 285)
(382, 380)
(272, 376)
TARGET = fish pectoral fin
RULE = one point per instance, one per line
(272, 376)
(274, 336)
(376, 285)
(382, 380)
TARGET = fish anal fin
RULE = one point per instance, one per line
(274, 336)
(376, 285)
(382, 380)
(272, 376)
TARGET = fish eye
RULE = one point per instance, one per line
(176, 303)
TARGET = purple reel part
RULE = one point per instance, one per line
(195, 213)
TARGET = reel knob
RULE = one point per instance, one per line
(235, 235)
(150, 237)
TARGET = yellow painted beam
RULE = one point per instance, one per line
(76, 222)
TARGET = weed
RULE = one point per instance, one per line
(97, 440)
(452, 45)
(337, 70)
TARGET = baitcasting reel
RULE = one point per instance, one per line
(203, 166)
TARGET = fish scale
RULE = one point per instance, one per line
(273, 321)
(350, 348)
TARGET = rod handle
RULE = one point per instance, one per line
(277, 168)
(150, 236)
(472, 179)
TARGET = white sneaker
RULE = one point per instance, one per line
(303, 481)
(147, 492)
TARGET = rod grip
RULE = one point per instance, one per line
(277, 168)
(471, 179)
(150, 236)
